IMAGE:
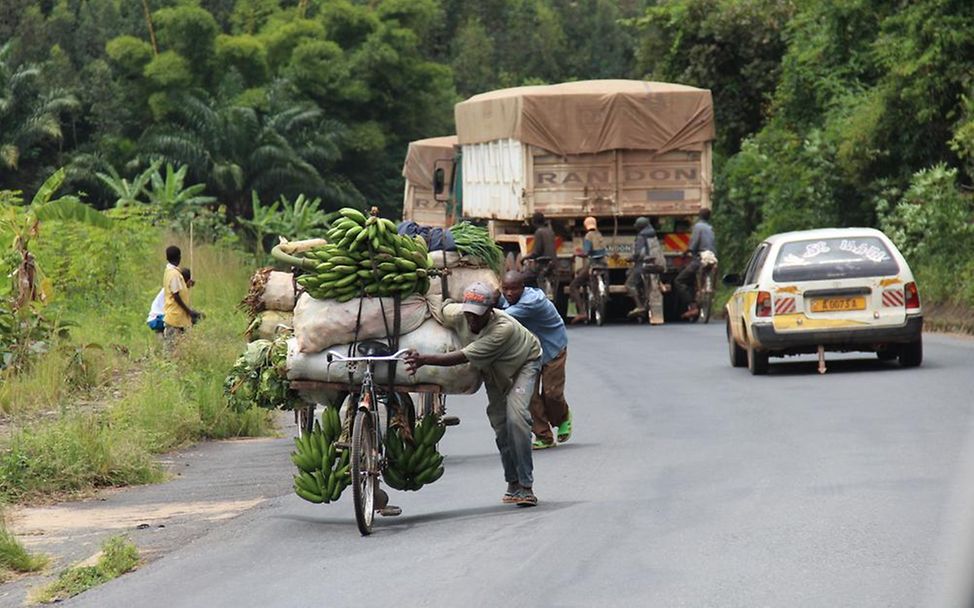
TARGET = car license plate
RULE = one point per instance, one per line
(838, 304)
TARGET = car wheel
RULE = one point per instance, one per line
(738, 358)
(757, 362)
(911, 354)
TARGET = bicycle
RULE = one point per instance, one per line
(649, 284)
(597, 296)
(706, 279)
(367, 448)
(541, 268)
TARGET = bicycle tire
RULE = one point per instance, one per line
(364, 467)
(600, 299)
(707, 301)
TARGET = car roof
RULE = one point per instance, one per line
(823, 233)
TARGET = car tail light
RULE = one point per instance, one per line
(762, 308)
(912, 296)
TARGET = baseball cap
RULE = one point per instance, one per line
(478, 298)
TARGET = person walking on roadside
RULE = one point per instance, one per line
(177, 314)
(509, 357)
(157, 311)
(645, 251)
(593, 252)
(536, 312)
(701, 239)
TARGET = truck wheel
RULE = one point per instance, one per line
(911, 354)
(738, 357)
(757, 362)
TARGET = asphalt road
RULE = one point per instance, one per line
(687, 483)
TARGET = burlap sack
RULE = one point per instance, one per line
(430, 337)
(320, 324)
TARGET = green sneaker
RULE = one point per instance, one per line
(541, 444)
(565, 429)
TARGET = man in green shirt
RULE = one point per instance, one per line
(509, 357)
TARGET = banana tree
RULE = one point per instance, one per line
(23, 223)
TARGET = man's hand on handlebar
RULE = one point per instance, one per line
(414, 361)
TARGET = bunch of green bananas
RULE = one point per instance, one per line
(411, 465)
(366, 256)
(324, 470)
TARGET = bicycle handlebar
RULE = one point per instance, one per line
(335, 355)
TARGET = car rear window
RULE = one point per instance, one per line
(841, 258)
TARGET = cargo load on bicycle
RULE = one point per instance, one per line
(364, 296)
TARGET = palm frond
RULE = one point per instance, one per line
(70, 208)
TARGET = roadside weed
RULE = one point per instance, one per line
(118, 556)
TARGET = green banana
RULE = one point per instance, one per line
(309, 496)
(353, 214)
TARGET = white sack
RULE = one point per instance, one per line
(272, 324)
(431, 337)
(279, 292)
(460, 277)
(321, 324)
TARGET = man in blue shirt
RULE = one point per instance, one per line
(536, 313)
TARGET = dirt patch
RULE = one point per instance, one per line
(42, 525)
(948, 318)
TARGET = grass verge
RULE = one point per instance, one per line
(95, 410)
(118, 556)
(14, 557)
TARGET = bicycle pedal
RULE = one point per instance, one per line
(450, 421)
(389, 511)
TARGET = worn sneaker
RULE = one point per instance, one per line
(542, 444)
(565, 429)
(509, 495)
(524, 497)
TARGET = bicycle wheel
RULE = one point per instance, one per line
(601, 296)
(365, 471)
(706, 299)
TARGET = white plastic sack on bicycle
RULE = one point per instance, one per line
(460, 277)
(278, 292)
(321, 324)
(431, 337)
(272, 323)
(708, 258)
(452, 259)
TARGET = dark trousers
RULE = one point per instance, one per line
(686, 283)
(548, 405)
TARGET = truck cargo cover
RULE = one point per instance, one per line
(421, 156)
(591, 116)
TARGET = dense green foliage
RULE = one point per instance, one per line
(828, 112)
(835, 113)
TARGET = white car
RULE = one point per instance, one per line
(844, 289)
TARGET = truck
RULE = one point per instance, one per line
(424, 158)
(612, 149)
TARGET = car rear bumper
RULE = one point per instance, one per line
(837, 339)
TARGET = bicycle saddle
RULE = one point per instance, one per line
(542, 259)
(374, 348)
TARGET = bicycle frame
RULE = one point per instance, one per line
(367, 401)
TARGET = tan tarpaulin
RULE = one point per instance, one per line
(421, 156)
(591, 116)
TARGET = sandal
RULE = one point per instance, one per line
(524, 497)
(565, 429)
(509, 497)
(541, 444)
